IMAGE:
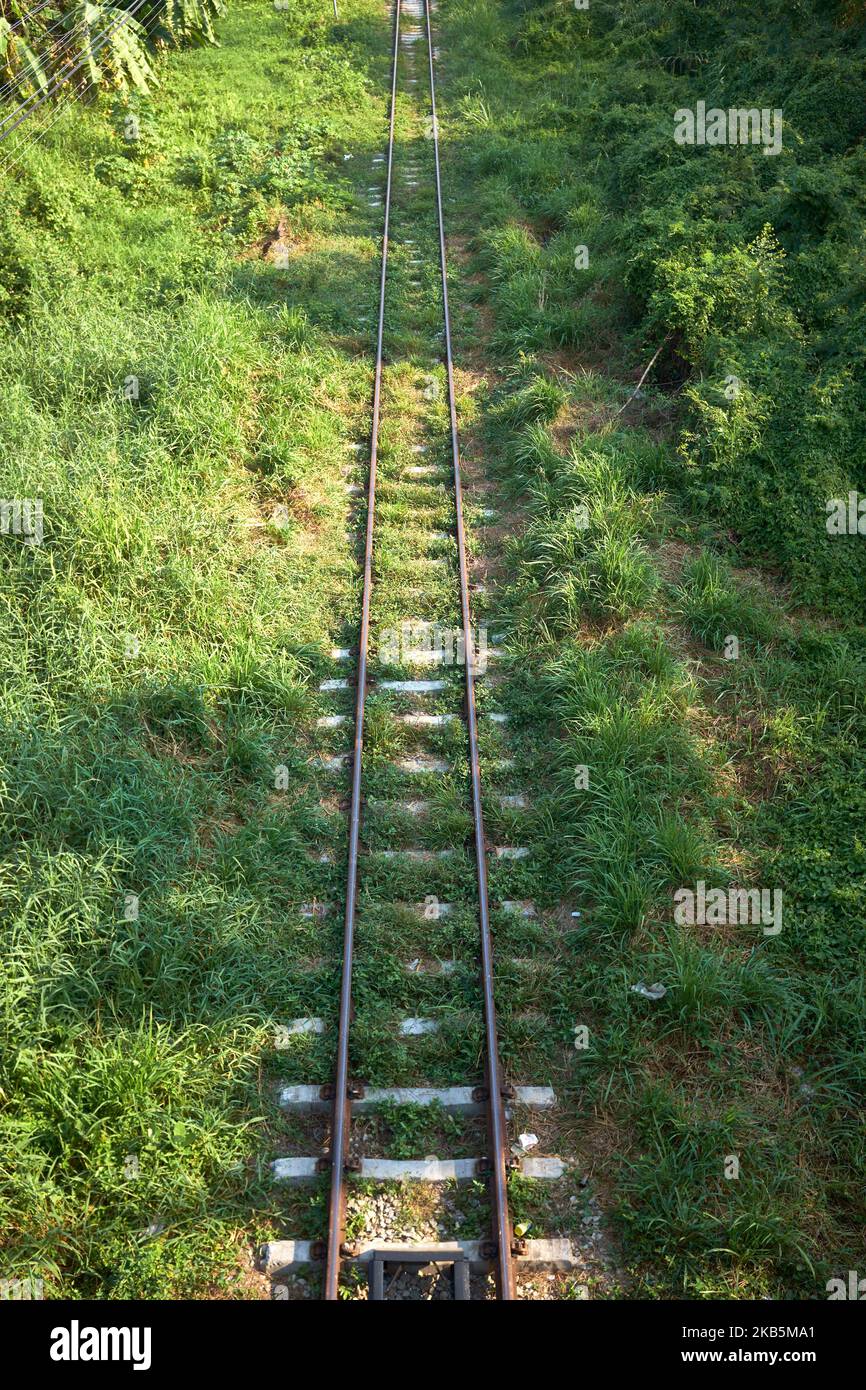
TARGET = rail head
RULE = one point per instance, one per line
(501, 1246)
(341, 1117)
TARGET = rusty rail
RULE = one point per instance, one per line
(496, 1128)
(502, 1245)
(342, 1102)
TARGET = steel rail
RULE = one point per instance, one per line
(341, 1119)
(495, 1103)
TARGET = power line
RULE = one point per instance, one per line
(37, 99)
(25, 18)
(63, 106)
(8, 87)
(44, 95)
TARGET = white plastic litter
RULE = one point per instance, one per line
(655, 991)
(525, 1142)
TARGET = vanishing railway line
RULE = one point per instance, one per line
(415, 494)
(446, 598)
(494, 1097)
(494, 1100)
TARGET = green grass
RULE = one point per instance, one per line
(161, 649)
(163, 813)
(621, 590)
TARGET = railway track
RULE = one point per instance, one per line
(402, 670)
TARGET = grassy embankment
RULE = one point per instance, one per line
(165, 820)
(704, 519)
(163, 645)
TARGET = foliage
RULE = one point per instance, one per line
(133, 1048)
(671, 763)
(84, 45)
(743, 265)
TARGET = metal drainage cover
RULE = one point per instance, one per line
(421, 1276)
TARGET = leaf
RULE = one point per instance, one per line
(31, 65)
(15, 53)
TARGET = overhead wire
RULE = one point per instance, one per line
(17, 150)
(24, 18)
(23, 77)
(35, 101)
